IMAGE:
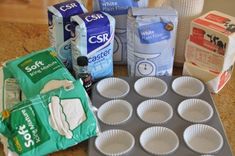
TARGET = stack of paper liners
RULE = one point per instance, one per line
(210, 49)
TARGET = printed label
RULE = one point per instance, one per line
(153, 33)
(30, 130)
(101, 63)
(212, 26)
(101, 56)
(11, 93)
(40, 65)
(98, 30)
(216, 18)
(98, 35)
(117, 7)
(209, 40)
(68, 9)
(96, 39)
(200, 57)
(225, 77)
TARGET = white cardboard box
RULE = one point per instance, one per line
(215, 31)
(205, 58)
(214, 81)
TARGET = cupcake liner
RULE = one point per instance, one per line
(188, 86)
(155, 111)
(113, 88)
(195, 110)
(203, 139)
(115, 112)
(114, 142)
(150, 87)
(159, 140)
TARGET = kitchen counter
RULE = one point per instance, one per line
(18, 39)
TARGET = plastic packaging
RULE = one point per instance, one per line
(39, 72)
(93, 36)
(59, 28)
(151, 34)
(10, 92)
(49, 122)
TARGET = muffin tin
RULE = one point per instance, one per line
(156, 124)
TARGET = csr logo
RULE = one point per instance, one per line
(93, 17)
(99, 38)
(68, 7)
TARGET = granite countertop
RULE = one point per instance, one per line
(19, 39)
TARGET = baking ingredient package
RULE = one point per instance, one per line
(210, 49)
(39, 72)
(93, 37)
(48, 122)
(10, 93)
(151, 35)
(43, 108)
(119, 9)
(59, 28)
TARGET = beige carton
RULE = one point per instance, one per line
(205, 58)
(214, 32)
(214, 81)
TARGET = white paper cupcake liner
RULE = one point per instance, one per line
(115, 142)
(195, 110)
(155, 111)
(188, 86)
(150, 87)
(113, 88)
(203, 139)
(115, 112)
(159, 140)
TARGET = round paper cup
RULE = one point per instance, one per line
(115, 112)
(195, 110)
(150, 87)
(159, 140)
(187, 86)
(114, 142)
(113, 88)
(203, 139)
(155, 111)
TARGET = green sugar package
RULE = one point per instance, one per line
(10, 95)
(49, 122)
(10, 92)
(39, 72)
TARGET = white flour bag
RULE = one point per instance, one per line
(151, 34)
